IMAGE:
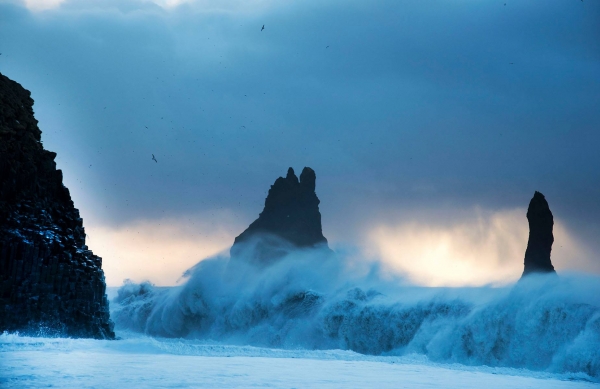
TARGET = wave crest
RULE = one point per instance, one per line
(313, 300)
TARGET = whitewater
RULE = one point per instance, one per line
(145, 362)
(317, 319)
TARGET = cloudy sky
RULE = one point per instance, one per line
(429, 124)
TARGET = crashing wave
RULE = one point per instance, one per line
(311, 299)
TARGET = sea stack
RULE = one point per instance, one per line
(539, 246)
(290, 219)
(50, 282)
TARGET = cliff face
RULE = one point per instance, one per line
(291, 216)
(49, 279)
(539, 246)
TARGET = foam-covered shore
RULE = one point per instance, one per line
(141, 361)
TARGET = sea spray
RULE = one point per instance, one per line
(311, 299)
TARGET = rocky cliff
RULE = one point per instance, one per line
(49, 279)
(539, 246)
(290, 217)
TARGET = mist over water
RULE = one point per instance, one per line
(313, 299)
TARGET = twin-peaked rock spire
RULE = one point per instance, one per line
(291, 213)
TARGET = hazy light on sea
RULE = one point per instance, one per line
(483, 248)
(479, 247)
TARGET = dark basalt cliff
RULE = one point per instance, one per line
(49, 280)
(539, 246)
(291, 216)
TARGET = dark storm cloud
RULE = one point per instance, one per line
(396, 105)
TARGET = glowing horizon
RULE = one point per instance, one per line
(482, 248)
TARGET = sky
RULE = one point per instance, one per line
(429, 125)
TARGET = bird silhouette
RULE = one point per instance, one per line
(154, 158)
(263, 27)
(327, 47)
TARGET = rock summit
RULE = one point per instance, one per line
(291, 215)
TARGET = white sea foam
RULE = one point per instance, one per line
(311, 300)
(138, 360)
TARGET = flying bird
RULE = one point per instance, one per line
(327, 47)
(154, 158)
(263, 27)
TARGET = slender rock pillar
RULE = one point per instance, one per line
(539, 246)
